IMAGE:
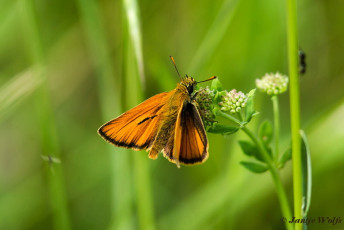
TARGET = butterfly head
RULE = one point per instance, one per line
(188, 83)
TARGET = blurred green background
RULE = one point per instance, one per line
(67, 67)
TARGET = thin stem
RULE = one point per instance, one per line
(241, 118)
(294, 107)
(275, 176)
(275, 106)
(229, 117)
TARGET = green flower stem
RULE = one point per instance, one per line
(276, 125)
(241, 118)
(275, 176)
(294, 107)
(229, 117)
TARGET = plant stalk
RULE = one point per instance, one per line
(229, 117)
(276, 179)
(275, 106)
(294, 107)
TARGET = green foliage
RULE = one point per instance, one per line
(255, 167)
(306, 174)
(232, 102)
(216, 85)
(249, 111)
(250, 150)
(265, 133)
(286, 156)
(222, 129)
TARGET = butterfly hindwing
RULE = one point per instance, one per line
(137, 128)
(190, 140)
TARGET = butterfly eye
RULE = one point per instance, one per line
(190, 88)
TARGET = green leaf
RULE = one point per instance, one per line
(217, 98)
(265, 132)
(255, 113)
(306, 173)
(269, 150)
(255, 167)
(216, 85)
(286, 156)
(250, 150)
(249, 109)
(251, 93)
(223, 129)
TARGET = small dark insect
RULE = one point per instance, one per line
(302, 61)
(51, 161)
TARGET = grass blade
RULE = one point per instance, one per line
(131, 10)
(307, 174)
(110, 94)
(134, 95)
(50, 143)
(214, 35)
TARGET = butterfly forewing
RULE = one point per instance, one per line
(190, 140)
(137, 127)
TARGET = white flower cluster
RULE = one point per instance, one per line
(233, 101)
(273, 83)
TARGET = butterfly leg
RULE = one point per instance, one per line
(153, 154)
(194, 96)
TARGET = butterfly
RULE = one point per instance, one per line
(168, 122)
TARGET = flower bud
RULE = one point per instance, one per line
(273, 84)
(205, 98)
(233, 101)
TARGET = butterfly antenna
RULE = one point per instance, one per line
(209, 79)
(175, 66)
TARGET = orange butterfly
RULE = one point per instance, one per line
(168, 122)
